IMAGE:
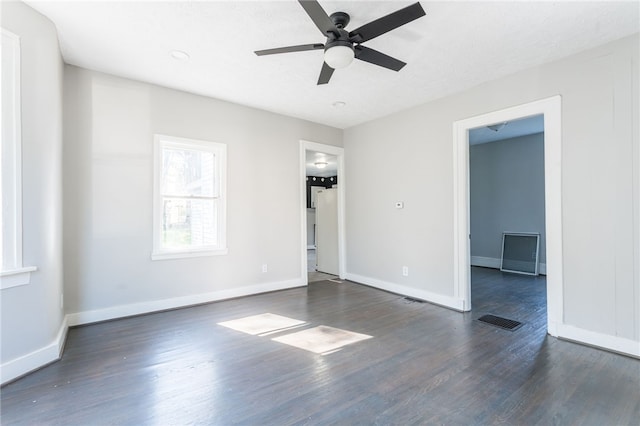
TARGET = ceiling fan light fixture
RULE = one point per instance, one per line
(339, 49)
(339, 56)
(321, 164)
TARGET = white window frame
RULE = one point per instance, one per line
(15, 274)
(220, 152)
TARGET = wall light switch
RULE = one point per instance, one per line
(399, 205)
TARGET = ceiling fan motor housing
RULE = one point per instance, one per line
(340, 19)
(337, 42)
(341, 36)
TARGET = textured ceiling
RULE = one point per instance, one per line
(457, 45)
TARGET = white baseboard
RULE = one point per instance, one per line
(438, 299)
(485, 262)
(599, 340)
(492, 262)
(87, 317)
(20, 366)
(25, 364)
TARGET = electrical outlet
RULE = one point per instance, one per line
(405, 271)
(265, 268)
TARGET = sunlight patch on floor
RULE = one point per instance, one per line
(262, 324)
(321, 339)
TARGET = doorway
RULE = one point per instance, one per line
(322, 211)
(550, 109)
(506, 212)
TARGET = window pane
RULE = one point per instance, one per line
(187, 173)
(188, 223)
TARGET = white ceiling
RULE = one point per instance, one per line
(457, 45)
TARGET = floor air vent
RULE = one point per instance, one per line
(505, 323)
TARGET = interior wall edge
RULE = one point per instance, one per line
(33, 314)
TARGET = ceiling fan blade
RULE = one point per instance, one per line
(318, 16)
(299, 48)
(378, 58)
(386, 23)
(325, 74)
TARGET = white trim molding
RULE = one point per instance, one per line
(218, 180)
(342, 242)
(121, 311)
(12, 270)
(39, 358)
(599, 340)
(437, 299)
(18, 367)
(16, 277)
(551, 108)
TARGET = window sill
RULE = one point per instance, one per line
(16, 277)
(187, 254)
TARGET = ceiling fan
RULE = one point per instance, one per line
(341, 46)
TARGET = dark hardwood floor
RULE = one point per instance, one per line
(424, 365)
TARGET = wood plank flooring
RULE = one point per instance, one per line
(424, 365)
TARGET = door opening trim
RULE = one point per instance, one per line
(339, 153)
(551, 108)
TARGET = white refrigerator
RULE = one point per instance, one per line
(327, 231)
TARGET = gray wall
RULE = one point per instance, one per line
(506, 192)
(600, 187)
(108, 161)
(31, 314)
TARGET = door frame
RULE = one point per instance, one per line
(551, 108)
(339, 153)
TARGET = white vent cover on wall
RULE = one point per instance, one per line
(520, 252)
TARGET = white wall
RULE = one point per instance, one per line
(600, 187)
(109, 127)
(506, 181)
(31, 314)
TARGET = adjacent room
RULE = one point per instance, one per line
(320, 212)
(321, 179)
(507, 221)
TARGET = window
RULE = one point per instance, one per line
(12, 272)
(189, 198)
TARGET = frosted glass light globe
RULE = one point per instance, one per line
(338, 56)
